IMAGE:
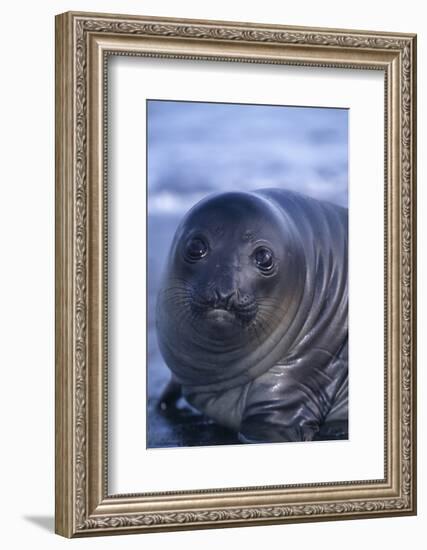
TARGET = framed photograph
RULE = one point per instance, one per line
(235, 274)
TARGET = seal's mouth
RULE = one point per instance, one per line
(228, 311)
(219, 315)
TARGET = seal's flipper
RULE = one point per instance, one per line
(170, 396)
(285, 405)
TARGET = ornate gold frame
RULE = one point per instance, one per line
(83, 41)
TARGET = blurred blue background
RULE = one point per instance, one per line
(195, 149)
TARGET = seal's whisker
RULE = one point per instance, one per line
(176, 293)
(272, 308)
(179, 302)
(183, 315)
(177, 289)
(266, 300)
(180, 284)
(177, 296)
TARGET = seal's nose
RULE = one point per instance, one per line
(224, 299)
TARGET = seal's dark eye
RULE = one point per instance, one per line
(196, 249)
(264, 259)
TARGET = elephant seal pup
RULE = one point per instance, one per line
(252, 315)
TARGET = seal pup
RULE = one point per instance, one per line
(252, 315)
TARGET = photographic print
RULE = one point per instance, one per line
(203, 267)
(247, 273)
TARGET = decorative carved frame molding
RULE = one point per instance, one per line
(83, 43)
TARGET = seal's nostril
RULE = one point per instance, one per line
(224, 299)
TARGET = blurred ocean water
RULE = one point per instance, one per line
(199, 148)
(195, 149)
